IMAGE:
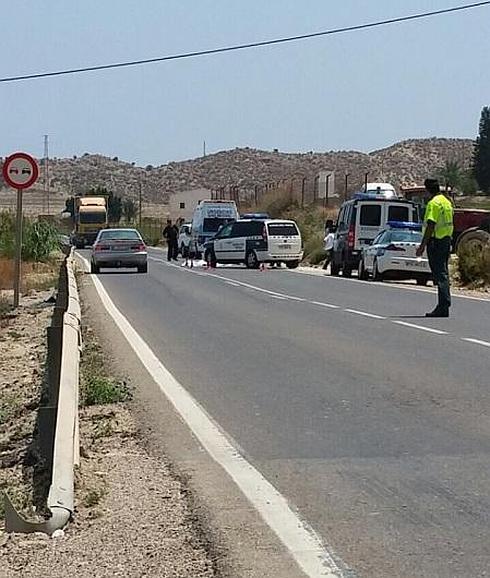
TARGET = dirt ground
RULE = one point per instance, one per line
(133, 515)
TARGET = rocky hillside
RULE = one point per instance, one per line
(406, 162)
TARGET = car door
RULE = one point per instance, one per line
(371, 250)
(368, 223)
(221, 243)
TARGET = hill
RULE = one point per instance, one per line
(406, 162)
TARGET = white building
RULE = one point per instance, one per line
(182, 204)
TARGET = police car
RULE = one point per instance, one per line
(254, 241)
(392, 255)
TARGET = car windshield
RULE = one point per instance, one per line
(120, 235)
(92, 217)
(211, 225)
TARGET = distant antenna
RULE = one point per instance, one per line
(46, 171)
(203, 148)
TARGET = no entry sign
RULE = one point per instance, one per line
(20, 171)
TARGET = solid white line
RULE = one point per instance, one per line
(421, 327)
(364, 314)
(303, 543)
(232, 283)
(477, 341)
(328, 305)
(280, 297)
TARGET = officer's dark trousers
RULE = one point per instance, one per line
(438, 251)
(172, 249)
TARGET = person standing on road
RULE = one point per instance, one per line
(438, 223)
(328, 244)
(188, 252)
(171, 235)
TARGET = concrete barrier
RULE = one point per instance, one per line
(66, 438)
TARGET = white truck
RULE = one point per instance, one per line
(209, 216)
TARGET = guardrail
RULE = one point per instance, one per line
(62, 449)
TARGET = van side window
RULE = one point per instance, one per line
(398, 213)
(370, 215)
(247, 229)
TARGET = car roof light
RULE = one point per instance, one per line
(409, 225)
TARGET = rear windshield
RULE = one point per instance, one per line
(370, 215)
(405, 236)
(398, 213)
(88, 218)
(283, 229)
(211, 225)
(120, 235)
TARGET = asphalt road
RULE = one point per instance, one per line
(372, 420)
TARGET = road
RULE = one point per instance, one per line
(371, 420)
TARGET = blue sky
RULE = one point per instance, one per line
(362, 90)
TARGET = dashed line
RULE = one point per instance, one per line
(421, 327)
(477, 341)
(321, 304)
(364, 314)
(285, 297)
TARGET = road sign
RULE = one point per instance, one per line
(20, 171)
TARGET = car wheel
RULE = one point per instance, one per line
(363, 274)
(292, 264)
(251, 260)
(143, 268)
(94, 269)
(422, 281)
(377, 276)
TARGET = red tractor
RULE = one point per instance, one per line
(471, 226)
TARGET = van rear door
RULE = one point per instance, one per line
(284, 239)
(369, 221)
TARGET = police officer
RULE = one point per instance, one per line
(171, 234)
(438, 223)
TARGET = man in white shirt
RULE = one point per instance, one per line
(328, 246)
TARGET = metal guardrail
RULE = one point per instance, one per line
(63, 408)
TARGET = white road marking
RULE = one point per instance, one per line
(421, 327)
(321, 304)
(477, 341)
(364, 314)
(303, 543)
(284, 296)
(321, 273)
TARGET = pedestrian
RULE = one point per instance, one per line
(438, 232)
(171, 235)
(187, 245)
(328, 243)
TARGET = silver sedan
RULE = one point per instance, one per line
(119, 248)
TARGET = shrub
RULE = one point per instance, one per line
(98, 390)
(474, 264)
(39, 238)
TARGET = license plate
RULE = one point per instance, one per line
(120, 249)
(286, 246)
(416, 264)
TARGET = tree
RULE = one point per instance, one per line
(70, 207)
(129, 210)
(452, 174)
(481, 156)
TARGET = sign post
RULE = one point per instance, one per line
(20, 171)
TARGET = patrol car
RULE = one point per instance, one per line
(360, 220)
(392, 255)
(253, 241)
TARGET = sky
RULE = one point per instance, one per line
(358, 91)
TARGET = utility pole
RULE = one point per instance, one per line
(204, 148)
(139, 204)
(303, 184)
(366, 174)
(46, 172)
(346, 185)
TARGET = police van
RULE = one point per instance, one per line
(208, 217)
(256, 241)
(359, 221)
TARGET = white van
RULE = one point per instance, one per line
(207, 219)
(253, 242)
(359, 221)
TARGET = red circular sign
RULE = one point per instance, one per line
(20, 171)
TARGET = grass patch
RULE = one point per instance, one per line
(96, 386)
(94, 496)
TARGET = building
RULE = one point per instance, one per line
(182, 204)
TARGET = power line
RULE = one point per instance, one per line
(249, 45)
